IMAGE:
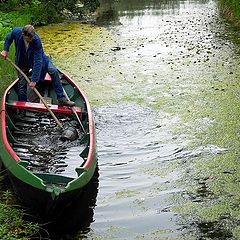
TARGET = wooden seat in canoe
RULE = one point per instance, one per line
(40, 107)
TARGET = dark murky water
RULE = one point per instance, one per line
(45, 146)
(163, 81)
(135, 197)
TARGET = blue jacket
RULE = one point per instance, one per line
(36, 58)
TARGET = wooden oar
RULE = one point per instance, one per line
(36, 91)
(74, 111)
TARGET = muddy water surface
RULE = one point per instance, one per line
(163, 81)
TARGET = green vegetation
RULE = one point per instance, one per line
(44, 11)
(7, 22)
(19, 13)
(12, 225)
(230, 9)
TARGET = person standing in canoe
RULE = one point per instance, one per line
(30, 55)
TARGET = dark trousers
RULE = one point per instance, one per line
(53, 72)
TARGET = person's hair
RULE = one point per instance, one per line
(28, 31)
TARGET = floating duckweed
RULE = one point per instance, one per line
(126, 193)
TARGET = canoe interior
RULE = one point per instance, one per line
(35, 138)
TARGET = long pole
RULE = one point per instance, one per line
(74, 111)
(36, 91)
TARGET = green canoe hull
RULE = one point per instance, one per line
(46, 191)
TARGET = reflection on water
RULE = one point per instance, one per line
(42, 145)
(72, 221)
(139, 168)
(111, 11)
(132, 145)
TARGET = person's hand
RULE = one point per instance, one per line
(4, 54)
(32, 85)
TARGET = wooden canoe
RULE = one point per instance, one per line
(45, 171)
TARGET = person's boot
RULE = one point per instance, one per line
(65, 102)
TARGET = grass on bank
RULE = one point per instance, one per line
(7, 73)
(12, 225)
(7, 22)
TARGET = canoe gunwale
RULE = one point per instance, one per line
(3, 125)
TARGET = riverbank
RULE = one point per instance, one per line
(12, 223)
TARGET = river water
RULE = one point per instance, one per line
(163, 81)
